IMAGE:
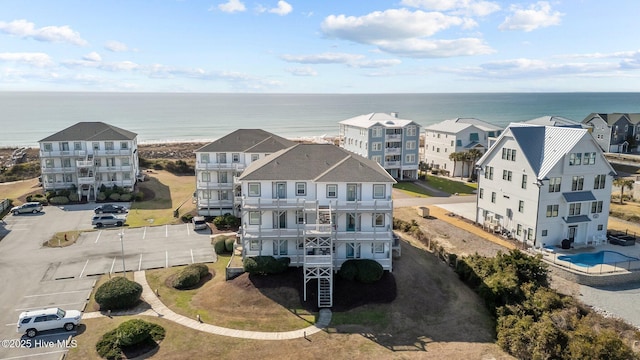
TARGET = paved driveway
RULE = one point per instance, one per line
(35, 277)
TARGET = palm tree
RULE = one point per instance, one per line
(623, 183)
(473, 155)
(456, 157)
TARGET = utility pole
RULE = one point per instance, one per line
(124, 269)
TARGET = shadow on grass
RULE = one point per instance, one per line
(156, 195)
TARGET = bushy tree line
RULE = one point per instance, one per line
(534, 321)
(265, 265)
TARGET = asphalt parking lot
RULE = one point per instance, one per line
(36, 277)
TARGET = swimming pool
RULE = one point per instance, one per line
(593, 259)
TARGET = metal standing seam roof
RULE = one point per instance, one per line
(576, 219)
(578, 196)
(248, 140)
(377, 119)
(553, 121)
(316, 162)
(453, 126)
(91, 131)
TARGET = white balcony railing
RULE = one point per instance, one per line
(381, 235)
(60, 153)
(118, 168)
(122, 152)
(252, 233)
(214, 185)
(261, 203)
(84, 163)
(318, 260)
(393, 137)
(343, 205)
(87, 180)
(214, 203)
(219, 166)
(393, 151)
(56, 170)
(388, 164)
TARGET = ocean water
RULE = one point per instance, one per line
(27, 117)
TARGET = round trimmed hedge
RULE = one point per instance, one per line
(190, 276)
(363, 270)
(264, 265)
(118, 293)
(131, 333)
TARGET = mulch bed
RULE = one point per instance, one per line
(347, 295)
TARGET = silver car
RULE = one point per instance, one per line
(107, 220)
(30, 207)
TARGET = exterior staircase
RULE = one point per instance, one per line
(325, 293)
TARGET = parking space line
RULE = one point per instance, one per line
(98, 237)
(83, 268)
(113, 263)
(188, 233)
(144, 233)
(166, 261)
(49, 306)
(166, 231)
(140, 263)
(193, 262)
(57, 293)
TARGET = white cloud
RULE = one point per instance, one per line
(34, 59)
(283, 8)
(375, 64)
(92, 56)
(422, 48)
(538, 15)
(116, 46)
(463, 7)
(324, 58)
(232, 6)
(302, 71)
(24, 29)
(534, 68)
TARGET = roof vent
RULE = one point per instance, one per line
(389, 122)
(394, 114)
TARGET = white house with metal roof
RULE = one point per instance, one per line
(319, 205)
(220, 163)
(88, 155)
(456, 136)
(552, 120)
(390, 141)
(544, 184)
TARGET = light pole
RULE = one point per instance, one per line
(124, 269)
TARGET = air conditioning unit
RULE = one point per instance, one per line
(595, 216)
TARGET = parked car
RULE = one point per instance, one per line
(110, 209)
(199, 223)
(30, 207)
(107, 220)
(32, 322)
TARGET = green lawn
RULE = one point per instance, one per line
(411, 189)
(451, 186)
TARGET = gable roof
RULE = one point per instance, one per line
(458, 124)
(248, 140)
(612, 118)
(543, 146)
(316, 162)
(91, 131)
(553, 121)
(378, 119)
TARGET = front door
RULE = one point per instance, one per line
(572, 233)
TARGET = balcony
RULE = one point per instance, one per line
(87, 180)
(393, 151)
(112, 152)
(260, 203)
(58, 170)
(318, 260)
(381, 205)
(219, 166)
(397, 137)
(104, 169)
(262, 233)
(318, 229)
(84, 163)
(214, 185)
(382, 235)
(213, 203)
(118, 183)
(392, 164)
(61, 153)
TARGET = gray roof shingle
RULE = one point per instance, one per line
(91, 131)
(248, 141)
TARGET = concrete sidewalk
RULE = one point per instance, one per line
(158, 309)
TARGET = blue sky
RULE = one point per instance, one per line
(328, 46)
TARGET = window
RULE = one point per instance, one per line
(255, 245)
(600, 227)
(575, 159)
(474, 137)
(206, 177)
(377, 248)
(544, 232)
(95, 145)
(411, 130)
(481, 193)
(493, 197)
(280, 247)
(299, 217)
(111, 161)
(68, 178)
(410, 158)
(506, 175)
(254, 189)
(77, 145)
(223, 195)
(411, 145)
(520, 206)
(223, 177)
(519, 230)
(332, 191)
(279, 219)
(204, 158)
(353, 250)
(574, 209)
(124, 145)
(577, 183)
(126, 176)
(108, 145)
(599, 182)
(235, 157)
(222, 158)
(64, 146)
(554, 184)
(552, 210)
(301, 189)
(589, 158)
(596, 207)
(353, 222)
(378, 220)
(376, 146)
(524, 182)
(47, 147)
(530, 234)
(279, 190)
(353, 193)
(376, 132)
(378, 191)
(488, 173)
(451, 142)
(254, 217)
(254, 157)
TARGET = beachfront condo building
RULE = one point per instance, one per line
(545, 184)
(220, 163)
(86, 156)
(385, 139)
(616, 132)
(458, 137)
(319, 205)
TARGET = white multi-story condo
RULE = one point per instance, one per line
(86, 156)
(386, 139)
(616, 132)
(219, 163)
(544, 184)
(319, 205)
(458, 136)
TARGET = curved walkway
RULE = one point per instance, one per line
(160, 310)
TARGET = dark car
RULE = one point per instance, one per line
(110, 209)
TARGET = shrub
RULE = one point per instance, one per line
(59, 200)
(264, 265)
(125, 197)
(220, 244)
(229, 244)
(190, 276)
(129, 333)
(158, 166)
(114, 197)
(363, 270)
(231, 220)
(220, 222)
(138, 196)
(101, 196)
(118, 293)
(73, 197)
(187, 218)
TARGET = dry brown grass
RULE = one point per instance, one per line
(18, 189)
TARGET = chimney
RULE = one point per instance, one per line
(394, 114)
